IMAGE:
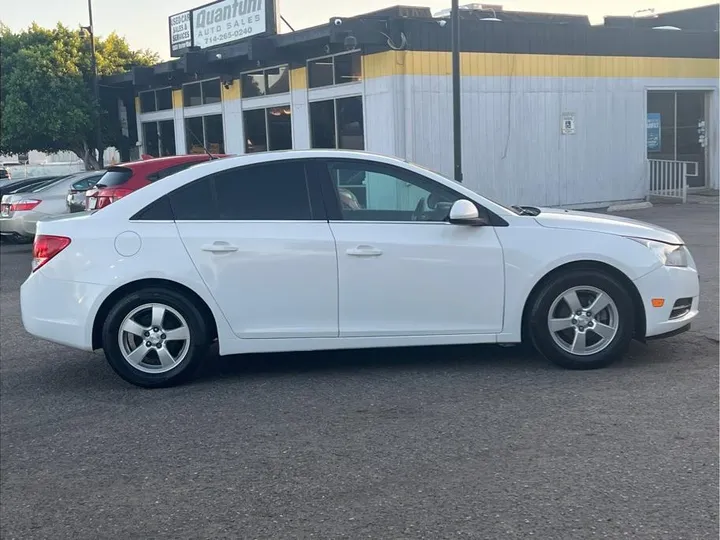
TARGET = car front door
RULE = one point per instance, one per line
(260, 239)
(403, 269)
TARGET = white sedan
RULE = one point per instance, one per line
(326, 249)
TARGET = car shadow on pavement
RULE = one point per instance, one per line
(491, 358)
(91, 372)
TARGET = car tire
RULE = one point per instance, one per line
(155, 337)
(564, 328)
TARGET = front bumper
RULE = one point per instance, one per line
(672, 285)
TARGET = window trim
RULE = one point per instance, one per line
(202, 93)
(332, 57)
(331, 197)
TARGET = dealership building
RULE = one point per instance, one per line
(555, 111)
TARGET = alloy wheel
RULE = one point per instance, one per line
(583, 320)
(154, 338)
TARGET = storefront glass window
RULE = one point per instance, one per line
(194, 135)
(211, 91)
(279, 128)
(147, 101)
(255, 131)
(278, 80)
(163, 98)
(673, 130)
(320, 72)
(348, 68)
(337, 123)
(214, 136)
(151, 140)
(253, 84)
(167, 137)
(192, 95)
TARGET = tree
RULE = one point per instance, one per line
(46, 97)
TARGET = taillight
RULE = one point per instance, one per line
(119, 194)
(24, 205)
(45, 247)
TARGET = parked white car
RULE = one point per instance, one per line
(259, 253)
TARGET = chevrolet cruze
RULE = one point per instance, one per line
(260, 253)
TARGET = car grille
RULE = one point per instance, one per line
(681, 307)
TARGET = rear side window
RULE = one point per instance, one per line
(272, 191)
(115, 176)
(194, 201)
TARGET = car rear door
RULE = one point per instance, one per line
(259, 237)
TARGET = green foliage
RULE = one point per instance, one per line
(46, 96)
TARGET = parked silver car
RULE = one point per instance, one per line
(20, 211)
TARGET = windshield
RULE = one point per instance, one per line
(115, 176)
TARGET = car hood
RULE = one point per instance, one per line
(556, 218)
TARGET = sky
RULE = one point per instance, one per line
(145, 22)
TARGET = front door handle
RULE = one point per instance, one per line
(364, 251)
(219, 247)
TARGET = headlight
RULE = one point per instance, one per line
(669, 254)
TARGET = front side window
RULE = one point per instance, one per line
(374, 192)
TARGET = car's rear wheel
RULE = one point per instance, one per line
(582, 319)
(155, 337)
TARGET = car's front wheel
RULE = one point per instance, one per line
(582, 319)
(155, 337)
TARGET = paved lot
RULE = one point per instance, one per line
(461, 442)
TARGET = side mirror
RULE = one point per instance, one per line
(463, 212)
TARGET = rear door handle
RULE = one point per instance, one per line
(219, 247)
(364, 251)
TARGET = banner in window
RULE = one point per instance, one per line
(653, 132)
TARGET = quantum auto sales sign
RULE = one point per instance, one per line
(226, 21)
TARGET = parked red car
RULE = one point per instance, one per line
(120, 180)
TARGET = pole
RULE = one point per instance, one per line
(457, 128)
(96, 88)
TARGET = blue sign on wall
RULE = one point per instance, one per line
(653, 132)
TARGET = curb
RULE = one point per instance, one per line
(629, 206)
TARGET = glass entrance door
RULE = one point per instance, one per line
(674, 119)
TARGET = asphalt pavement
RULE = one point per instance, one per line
(434, 443)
